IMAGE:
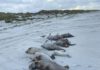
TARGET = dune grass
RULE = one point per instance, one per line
(10, 17)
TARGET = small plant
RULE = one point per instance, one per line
(8, 21)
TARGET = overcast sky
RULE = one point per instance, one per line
(36, 5)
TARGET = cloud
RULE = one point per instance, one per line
(50, 0)
(93, 4)
(36, 5)
(10, 7)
